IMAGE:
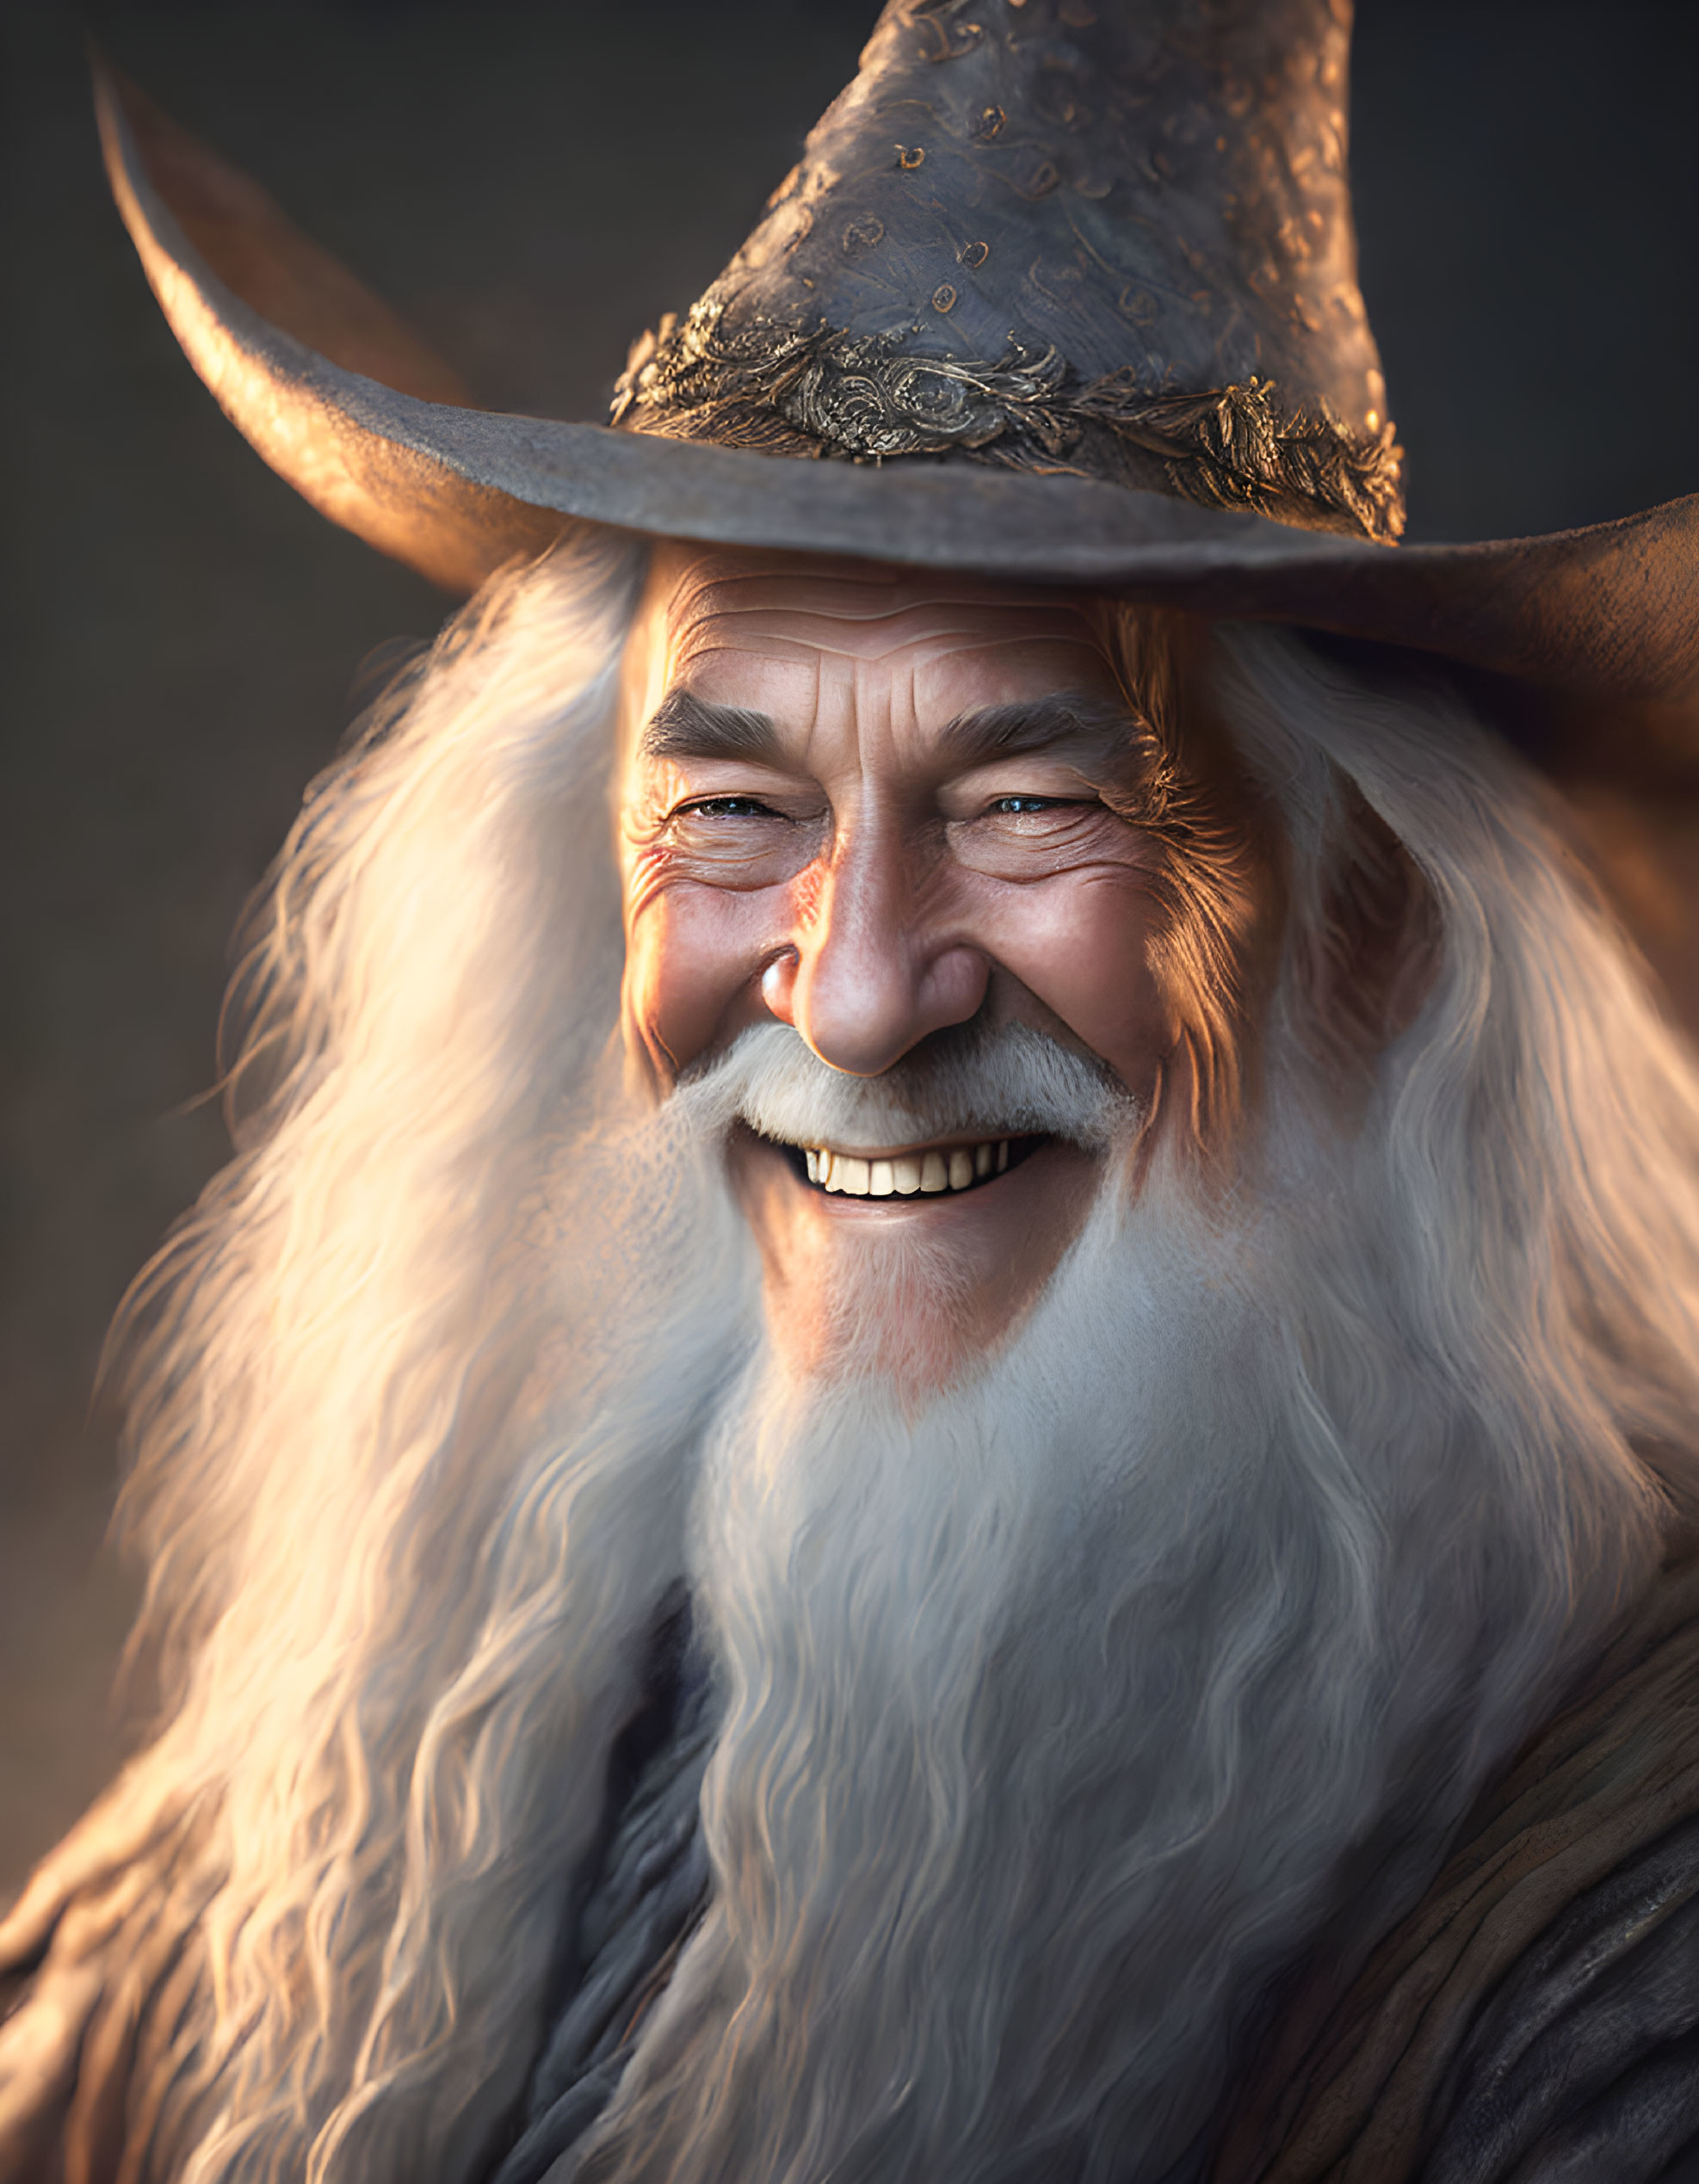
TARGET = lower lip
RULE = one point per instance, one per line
(1019, 1150)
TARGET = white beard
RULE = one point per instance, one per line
(1054, 1717)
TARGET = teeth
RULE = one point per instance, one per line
(905, 1173)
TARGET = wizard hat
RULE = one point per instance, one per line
(1060, 290)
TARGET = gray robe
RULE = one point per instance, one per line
(1534, 2021)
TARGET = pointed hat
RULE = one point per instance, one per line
(1060, 290)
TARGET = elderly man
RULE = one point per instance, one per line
(940, 1423)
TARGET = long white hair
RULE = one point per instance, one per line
(1059, 1721)
(411, 1486)
(385, 1392)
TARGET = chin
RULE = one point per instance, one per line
(920, 1283)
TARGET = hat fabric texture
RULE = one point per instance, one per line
(1061, 290)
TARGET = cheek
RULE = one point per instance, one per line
(693, 957)
(1078, 942)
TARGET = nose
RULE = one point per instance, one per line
(873, 968)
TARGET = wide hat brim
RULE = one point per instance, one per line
(347, 405)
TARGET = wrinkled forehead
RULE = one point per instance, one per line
(707, 613)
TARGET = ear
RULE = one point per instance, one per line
(1366, 937)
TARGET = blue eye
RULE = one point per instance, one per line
(727, 807)
(1013, 806)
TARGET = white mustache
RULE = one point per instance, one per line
(1003, 1081)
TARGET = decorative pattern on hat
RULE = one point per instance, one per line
(1105, 237)
(869, 396)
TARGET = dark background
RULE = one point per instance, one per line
(531, 185)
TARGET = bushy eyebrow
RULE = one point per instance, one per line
(684, 726)
(992, 732)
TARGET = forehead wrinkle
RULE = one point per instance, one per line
(878, 695)
(793, 635)
(833, 604)
(818, 617)
(738, 580)
(703, 598)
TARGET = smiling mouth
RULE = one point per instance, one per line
(929, 1171)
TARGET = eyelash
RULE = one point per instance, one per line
(1014, 806)
(727, 808)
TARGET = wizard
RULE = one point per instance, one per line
(942, 1419)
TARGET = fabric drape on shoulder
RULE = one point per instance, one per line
(1536, 2017)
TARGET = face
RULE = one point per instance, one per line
(877, 806)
